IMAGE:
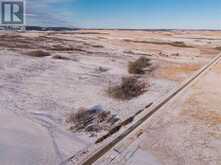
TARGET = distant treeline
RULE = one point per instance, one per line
(39, 28)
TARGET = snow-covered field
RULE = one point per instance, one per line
(37, 93)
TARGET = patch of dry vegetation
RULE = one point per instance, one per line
(138, 66)
(61, 48)
(91, 120)
(97, 46)
(38, 53)
(59, 57)
(175, 44)
(177, 72)
(218, 48)
(137, 53)
(179, 44)
(101, 69)
(199, 111)
(92, 45)
(15, 41)
(211, 117)
(209, 51)
(129, 88)
(91, 33)
(23, 42)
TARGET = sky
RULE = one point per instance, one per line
(135, 14)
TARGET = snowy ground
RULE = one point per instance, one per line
(36, 94)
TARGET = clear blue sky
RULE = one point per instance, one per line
(126, 13)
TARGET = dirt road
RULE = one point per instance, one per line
(184, 131)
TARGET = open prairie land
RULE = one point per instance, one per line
(46, 77)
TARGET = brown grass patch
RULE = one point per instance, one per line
(138, 66)
(209, 51)
(129, 88)
(177, 72)
(38, 53)
(16, 41)
(202, 107)
(207, 116)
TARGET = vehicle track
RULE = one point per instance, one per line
(109, 144)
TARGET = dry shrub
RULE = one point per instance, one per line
(101, 69)
(97, 46)
(129, 88)
(58, 57)
(38, 53)
(129, 52)
(180, 44)
(218, 48)
(138, 66)
(92, 120)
